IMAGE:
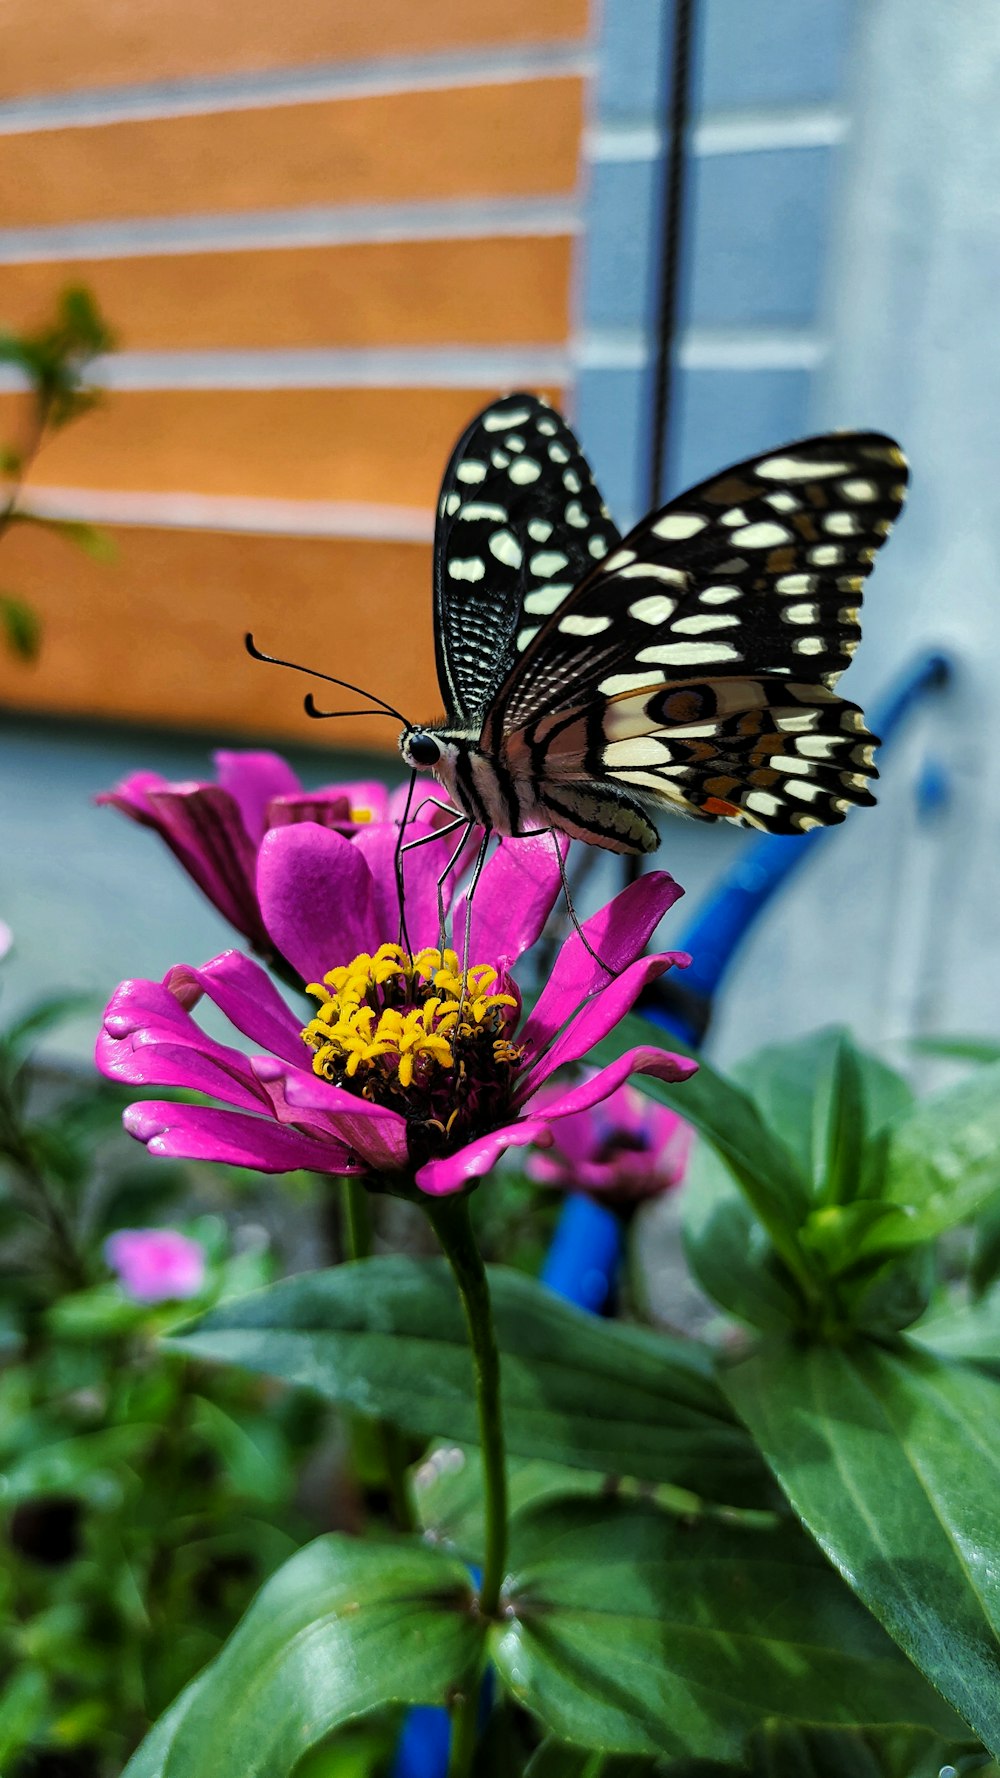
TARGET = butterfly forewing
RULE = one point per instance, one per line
(520, 523)
(694, 665)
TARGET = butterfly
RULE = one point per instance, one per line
(688, 667)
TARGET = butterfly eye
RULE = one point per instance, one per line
(420, 749)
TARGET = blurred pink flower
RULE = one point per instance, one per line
(623, 1150)
(215, 829)
(6, 938)
(409, 1069)
(156, 1265)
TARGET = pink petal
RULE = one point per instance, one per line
(513, 900)
(440, 1179)
(156, 1265)
(253, 780)
(248, 997)
(644, 1060)
(599, 1015)
(147, 1039)
(203, 828)
(374, 1132)
(201, 1133)
(317, 898)
(618, 933)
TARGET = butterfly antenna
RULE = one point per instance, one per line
(273, 660)
(571, 910)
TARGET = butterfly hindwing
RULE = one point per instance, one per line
(694, 666)
(520, 523)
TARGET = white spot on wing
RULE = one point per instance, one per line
(539, 530)
(547, 562)
(558, 453)
(502, 421)
(703, 622)
(525, 470)
(762, 536)
(576, 516)
(858, 490)
(452, 504)
(818, 746)
(795, 583)
(653, 610)
(481, 509)
(575, 624)
(688, 654)
(472, 569)
(808, 645)
(470, 471)
(548, 427)
(547, 599)
(631, 755)
(782, 501)
(801, 614)
(677, 525)
(526, 636)
(841, 524)
(825, 555)
(506, 549)
(571, 481)
(622, 558)
(597, 546)
(654, 571)
(763, 803)
(720, 595)
(625, 682)
(791, 469)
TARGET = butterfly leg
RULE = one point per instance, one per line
(426, 839)
(476, 874)
(571, 910)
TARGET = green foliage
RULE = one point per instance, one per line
(633, 1631)
(55, 361)
(387, 1336)
(891, 1457)
(343, 1628)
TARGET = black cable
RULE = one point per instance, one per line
(681, 32)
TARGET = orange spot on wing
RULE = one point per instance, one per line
(713, 805)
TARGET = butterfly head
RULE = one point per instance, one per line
(421, 750)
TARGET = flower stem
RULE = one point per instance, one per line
(450, 1219)
(357, 1220)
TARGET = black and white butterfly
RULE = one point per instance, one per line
(688, 667)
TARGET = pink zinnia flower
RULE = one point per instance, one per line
(407, 1068)
(216, 829)
(621, 1151)
(156, 1265)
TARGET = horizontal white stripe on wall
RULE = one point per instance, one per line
(728, 132)
(336, 225)
(702, 349)
(294, 86)
(209, 512)
(432, 367)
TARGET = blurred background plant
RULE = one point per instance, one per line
(54, 362)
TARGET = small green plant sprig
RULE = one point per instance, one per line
(54, 362)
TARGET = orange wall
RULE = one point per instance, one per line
(403, 293)
(96, 43)
(156, 635)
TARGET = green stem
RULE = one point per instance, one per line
(357, 1220)
(450, 1219)
(464, 1729)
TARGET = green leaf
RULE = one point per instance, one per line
(793, 1086)
(23, 1705)
(959, 1049)
(21, 627)
(760, 1162)
(729, 1251)
(555, 1760)
(387, 1336)
(939, 1161)
(969, 1332)
(92, 541)
(342, 1629)
(892, 1460)
(87, 1465)
(784, 1750)
(635, 1632)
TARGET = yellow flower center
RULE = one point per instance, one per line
(418, 1033)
